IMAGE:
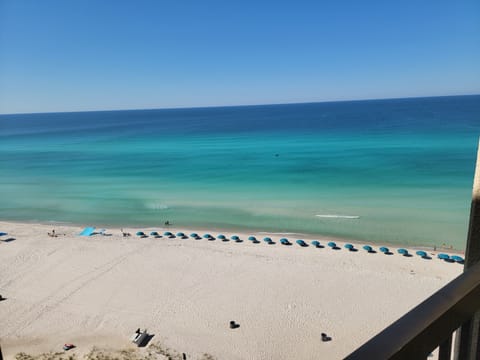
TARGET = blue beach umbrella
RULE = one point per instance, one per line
(140, 233)
(384, 249)
(221, 237)
(301, 243)
(457, 258)
(180, 234)
(402, 251)
(167, 233)
(252, 238)
(194, 235)
(284, 241)
(267, 240)
(3, 233)
(235, 238)
(421, 253)
(349, 247)
(368, 248)
(207, 236)
(316, 243)
(443, 256)
(332, 244)
(154, 233)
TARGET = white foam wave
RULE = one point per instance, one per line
(333, 216)
(156, 206)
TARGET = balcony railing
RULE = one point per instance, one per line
(429, 325)
(455, 307)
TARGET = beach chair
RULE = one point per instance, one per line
(139, 337)
(422, 254)
(443, 256)
(368, 249)
(301, 243)
(384, 250)
(457, 259)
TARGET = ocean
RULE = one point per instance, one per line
(394, 171)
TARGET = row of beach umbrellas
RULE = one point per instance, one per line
(303, 243)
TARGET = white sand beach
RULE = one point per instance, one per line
(97, 290)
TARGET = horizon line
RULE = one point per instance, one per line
(241, 105)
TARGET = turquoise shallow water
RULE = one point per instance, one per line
(401, 168)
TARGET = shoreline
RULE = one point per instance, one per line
(233, 231)
(96, 290)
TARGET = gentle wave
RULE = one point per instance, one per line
(332, 216)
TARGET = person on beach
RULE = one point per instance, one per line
(125, 234)
(52, 234)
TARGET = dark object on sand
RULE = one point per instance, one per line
(233, 325)
(68, 346)
(325, 337)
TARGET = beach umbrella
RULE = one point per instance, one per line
(235, 238)
(267, 239)
(194, 235)
(316, 243)
(443, 256)
(421, 253)
(349, 247)
(284, 241)
(301, 243)
(180, 234)
(3, 233)
(402, 251)
(167, 233)
(154, 233)
(221, 237)
(252, 238)
(207, 236)
(140, 233)
(457, 258)
(368, 248)
(384, 249)
(332, 244)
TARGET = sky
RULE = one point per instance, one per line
(76, 55)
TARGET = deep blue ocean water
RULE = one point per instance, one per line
(397, 171)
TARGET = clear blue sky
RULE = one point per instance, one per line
(72, 55)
